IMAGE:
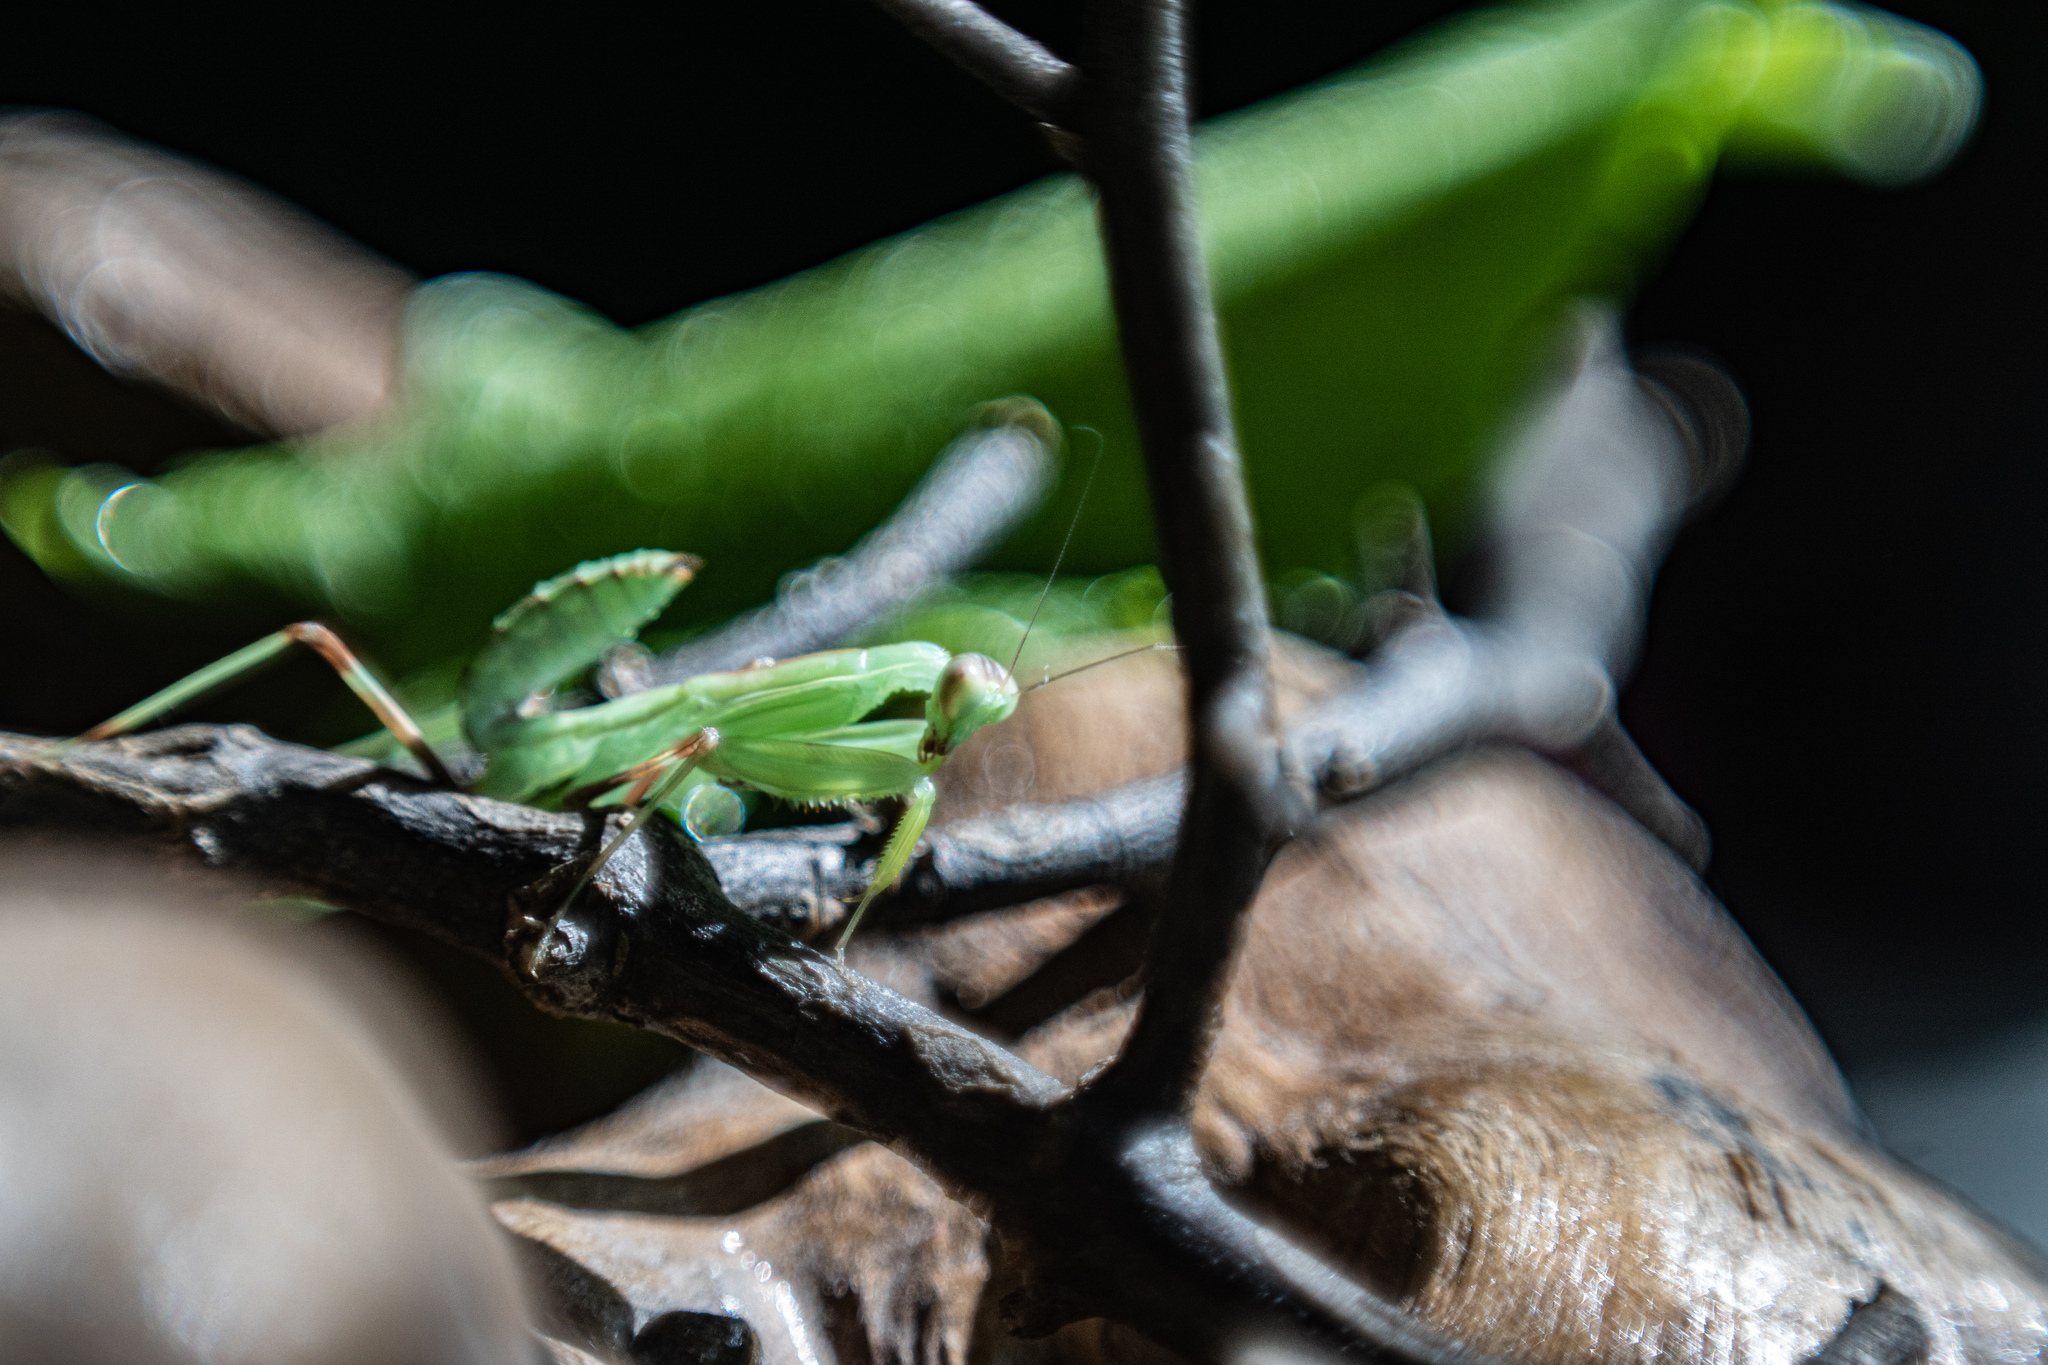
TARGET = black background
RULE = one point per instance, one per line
(1844, 669)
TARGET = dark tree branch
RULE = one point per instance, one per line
(802, 879)
(653, 941)
(975, 494)
(1442, 684)
(1015, 67)
(1141, 158)
(1131, 1126)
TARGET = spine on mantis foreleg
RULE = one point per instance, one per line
(562, 627)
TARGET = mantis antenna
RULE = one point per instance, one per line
(923, 795)
(1061, 557)
(1152, 648)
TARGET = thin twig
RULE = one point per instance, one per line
(975, 494)
(800, 879)
(1012, 65)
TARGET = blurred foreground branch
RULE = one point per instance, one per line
(163, 268)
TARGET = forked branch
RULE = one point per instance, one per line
(1018, 68)
(1140, 156)
(1214, 1276)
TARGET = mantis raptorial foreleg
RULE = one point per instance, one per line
(315, 637)
(917, 812)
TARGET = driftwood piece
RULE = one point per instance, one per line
(1489, 1046)
(1510, 1046)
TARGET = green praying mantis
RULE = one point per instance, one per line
(802, 729)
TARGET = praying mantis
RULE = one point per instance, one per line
(799, 729)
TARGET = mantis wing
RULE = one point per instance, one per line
(898, 737)
(812, 773)
(534, 755)
(561, 628)
(813, 691)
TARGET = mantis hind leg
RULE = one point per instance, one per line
(315, 637)
(895, 854)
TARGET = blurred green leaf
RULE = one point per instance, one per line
(1393, 252)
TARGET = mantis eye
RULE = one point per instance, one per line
(973, 690)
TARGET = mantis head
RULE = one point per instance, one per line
(973, 690)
